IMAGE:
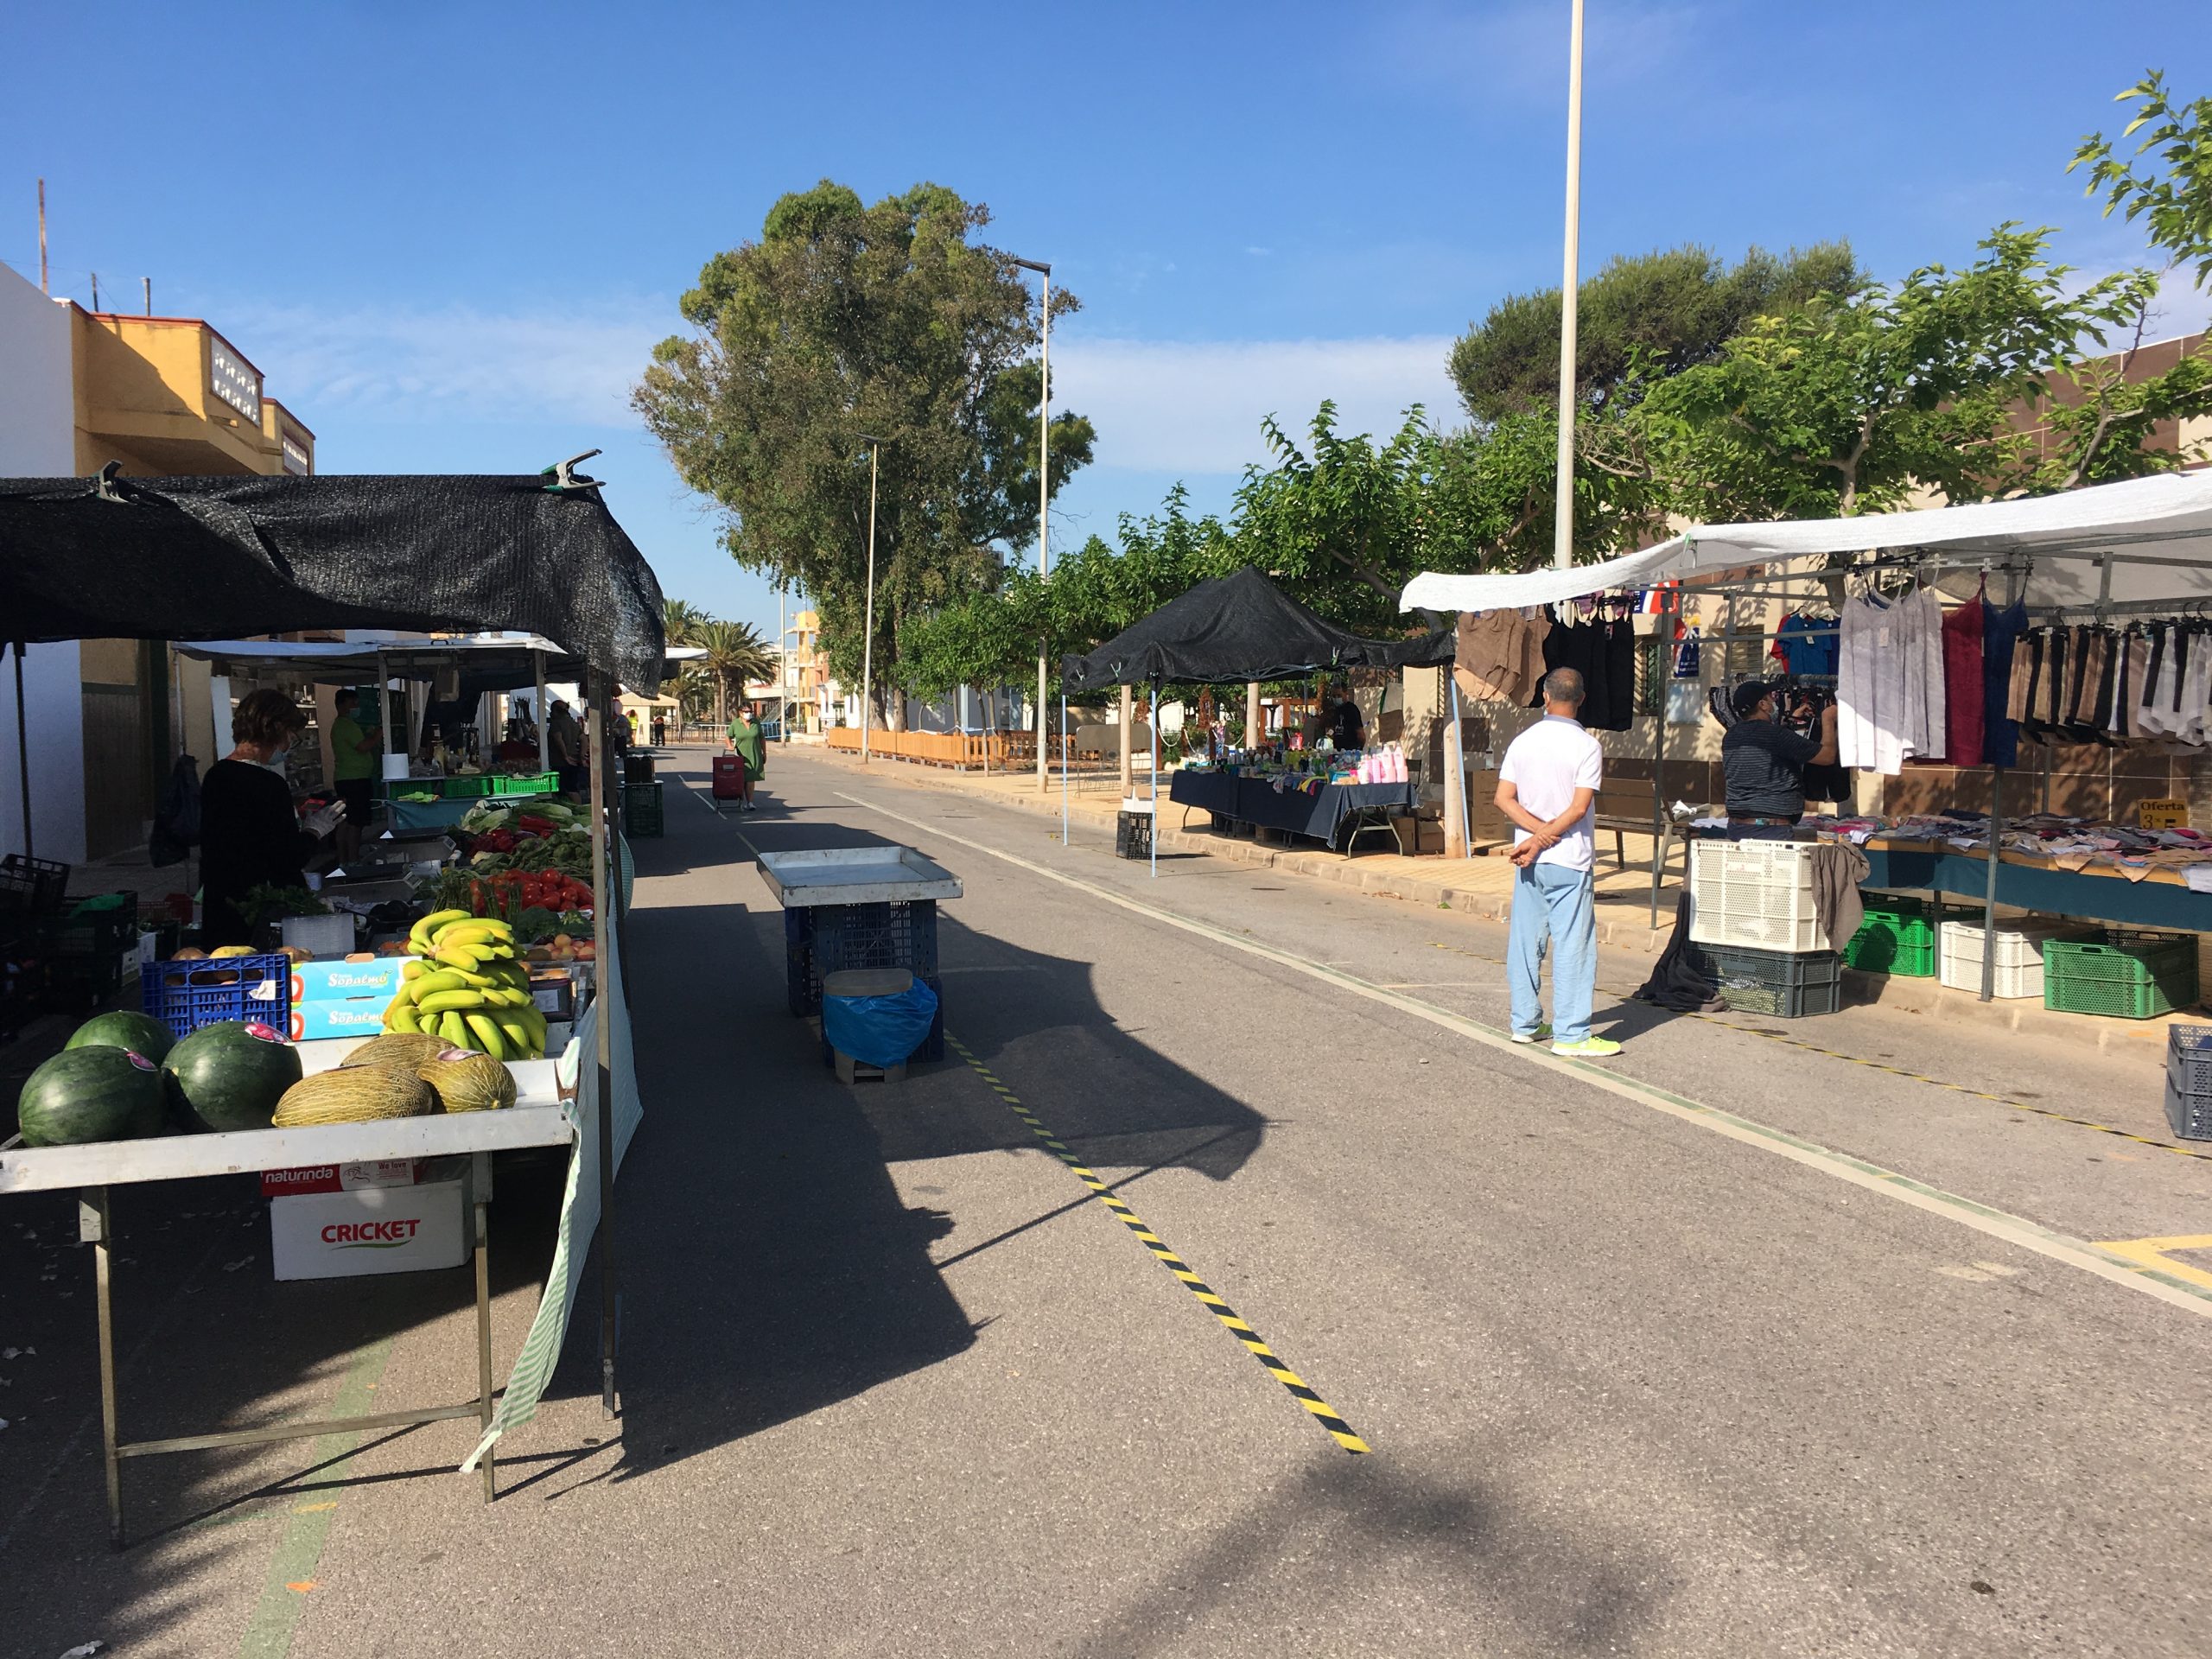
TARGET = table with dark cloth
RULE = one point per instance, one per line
(1319, 814)
(2147, 903)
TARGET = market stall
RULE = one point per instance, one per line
(1241, 629)
(191, 558)
(2080, 609)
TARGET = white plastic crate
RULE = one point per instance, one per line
(2019, 956)
(1754, 894)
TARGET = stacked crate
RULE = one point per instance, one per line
(1752, 915)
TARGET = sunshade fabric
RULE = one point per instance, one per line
(356, 662)
(185, 558)
(1238, 627)
(2052, 538)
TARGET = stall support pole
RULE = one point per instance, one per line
(603, 897)
(1659, 809)
(22, 754)
(538, 712)
(384, 708)
(92, 1228)
(1989, 892)
(1063, 771)
(479, 1193)
(1153, 840)
(1459, 770)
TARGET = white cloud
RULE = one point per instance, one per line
(459, 363)
(1194, 408)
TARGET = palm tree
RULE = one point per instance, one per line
(679, 621)
(735, 654)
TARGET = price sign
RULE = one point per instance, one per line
(2162, 815)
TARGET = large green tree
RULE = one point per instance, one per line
(1850, 404)
(1643, 316)
(843, 323)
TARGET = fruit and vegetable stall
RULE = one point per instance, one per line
(493, 1019)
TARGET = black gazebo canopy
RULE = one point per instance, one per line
(1239, 627)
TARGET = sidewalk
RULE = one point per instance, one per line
(1482, 887)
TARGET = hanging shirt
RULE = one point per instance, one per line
(1920, 631)
(1871, 688)
(2000, 663)
(1963, 686)
(1808, 644)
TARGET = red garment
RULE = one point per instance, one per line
(1962, 686)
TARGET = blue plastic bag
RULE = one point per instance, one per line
(880, 1030)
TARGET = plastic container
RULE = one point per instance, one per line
(641, 809)
(528, 783)
(1754, 895)
(88, 951)
(2019, 957)
(1897, 942)
(824, 939)
(2126, 977)
(186, 995)
(31, 887)
(1133, 835)
(462, 789)
(2189, 1082)
(1788, 985)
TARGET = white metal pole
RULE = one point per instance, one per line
(1155, 780)
(1063, 771)
(867, 639)
(1043, 515)
(1563, 511)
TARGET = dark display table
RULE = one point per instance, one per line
(1320, 814)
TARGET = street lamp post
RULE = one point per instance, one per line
(868, 638)
(1044, 496)
(1563, 512)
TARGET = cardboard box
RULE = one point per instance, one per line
(341, 1178)
(369, 1231)
(329, 982)
(360, 1016)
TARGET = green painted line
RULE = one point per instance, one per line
(269, 1633)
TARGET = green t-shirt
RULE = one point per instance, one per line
(348, 758)
(744, 738)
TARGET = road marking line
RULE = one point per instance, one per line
(2151, 1253)
(2161, 1284)
(1879, 1065)
(1339, 1430)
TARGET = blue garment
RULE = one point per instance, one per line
(1554, 899)
(2000, 632)
(1807, 652)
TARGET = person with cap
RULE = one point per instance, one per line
(1763, 763)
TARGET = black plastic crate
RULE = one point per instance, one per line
(1787, 984)
(88, 951)
(23, 978)
(2188, 1081)
(641, 809)
(1133, 835)
(821, 939)
(31, 887)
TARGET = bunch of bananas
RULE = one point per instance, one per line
(467, 987)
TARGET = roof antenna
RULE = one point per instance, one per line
(565, 476)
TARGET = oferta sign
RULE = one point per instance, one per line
(233, 379)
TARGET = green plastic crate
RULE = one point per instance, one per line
(1893, 942)
(462, 789)
(528, 783)
(2126, 978)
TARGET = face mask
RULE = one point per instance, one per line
(275, 762)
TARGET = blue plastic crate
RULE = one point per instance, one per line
(184, 996)
(821, 939)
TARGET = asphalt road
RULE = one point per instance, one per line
(1657, 1361)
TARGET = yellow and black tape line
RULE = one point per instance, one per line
(1322, 1412)
(1895, 1071)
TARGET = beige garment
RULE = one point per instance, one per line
(1493, 654)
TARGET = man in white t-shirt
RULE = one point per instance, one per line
(1548, 786)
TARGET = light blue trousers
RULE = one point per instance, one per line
(1550, 899)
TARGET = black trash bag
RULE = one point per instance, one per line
(176, 816)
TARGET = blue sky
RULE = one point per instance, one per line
(449, 234)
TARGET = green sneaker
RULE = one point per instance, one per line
(1541, 1035)
(1590, 1048)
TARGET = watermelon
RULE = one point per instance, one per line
(232, 1074)
(96, 1093)
(123, 1029)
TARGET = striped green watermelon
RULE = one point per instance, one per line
(231, 1075)
(125, 1029)
(96, 1093)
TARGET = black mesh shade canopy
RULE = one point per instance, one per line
(1239, 627)
(195, 558)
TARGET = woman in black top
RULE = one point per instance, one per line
(249, 834)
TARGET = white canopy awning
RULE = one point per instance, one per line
(2155, 534)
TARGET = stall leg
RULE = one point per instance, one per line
(1989, 892)
(480, 1191)
(1063, 771)
(1659, 809)
(602, 887)
(92, 1227)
